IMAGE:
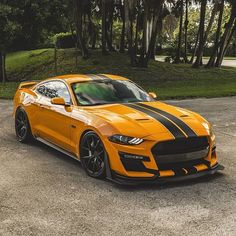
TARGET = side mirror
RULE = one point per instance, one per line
(153, 95)
(58, 101)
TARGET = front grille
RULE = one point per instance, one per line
(180, 153)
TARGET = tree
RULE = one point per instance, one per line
(9, 28)
(212, 59)
(178, 54)
(186, 31)
(225, 40)
(197, 63)
(80, 9)
(122, 37)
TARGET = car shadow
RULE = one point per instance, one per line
(56, 153)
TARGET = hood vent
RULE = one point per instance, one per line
(184, 116)
(143, 120)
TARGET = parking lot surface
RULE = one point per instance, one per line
(43, 192)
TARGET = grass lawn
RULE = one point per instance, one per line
(167, 80)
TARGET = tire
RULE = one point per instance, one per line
(22, 126)
(92, 155)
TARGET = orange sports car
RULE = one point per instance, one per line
(115, 128)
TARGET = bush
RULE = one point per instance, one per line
(64, 40)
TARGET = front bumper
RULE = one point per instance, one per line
(124, 180)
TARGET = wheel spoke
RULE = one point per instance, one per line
(86, 148)
(88, 157)
(98, 141)
(100, 153)
(88, 144)
(88, 163)
(94, 166)
(18, 120)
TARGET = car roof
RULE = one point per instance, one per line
(73, 78)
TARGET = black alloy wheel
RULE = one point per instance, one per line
(22, 127)
(92, 155)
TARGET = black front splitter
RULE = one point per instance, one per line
(124, 180)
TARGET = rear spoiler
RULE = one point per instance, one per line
(27, 84)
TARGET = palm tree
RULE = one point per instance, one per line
(197, 63)
(178, 54)
(229, 30)
(212, 59)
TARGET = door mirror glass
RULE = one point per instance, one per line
(58, 101)
(153, 95)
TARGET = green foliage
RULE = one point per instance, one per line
(9, 27)
(64, 40)
(167, 80)
(29, 24)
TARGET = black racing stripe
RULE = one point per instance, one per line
(177, 133)
(176, 120)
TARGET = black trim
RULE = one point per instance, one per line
(191, 170)
(173, 118)
(207, 163)
(144, 158)
(181, 146)
(177, 133)
(136, 165)
(179, 171)
(124, 180)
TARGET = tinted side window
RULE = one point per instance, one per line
(55, 89)
(41, 89)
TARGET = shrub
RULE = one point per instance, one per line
(64, 40)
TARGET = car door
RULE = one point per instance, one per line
(54, 120)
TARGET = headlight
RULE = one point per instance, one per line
(212, 135)
(121, 139)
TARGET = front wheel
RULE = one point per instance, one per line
(92, 155)
(22, 126)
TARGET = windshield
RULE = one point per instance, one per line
(108, 91)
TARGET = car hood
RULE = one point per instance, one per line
(150, 118)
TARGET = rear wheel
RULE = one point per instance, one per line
(22, 126)
(92, 155)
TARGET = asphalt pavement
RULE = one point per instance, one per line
(43, 192)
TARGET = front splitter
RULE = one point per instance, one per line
(124, 180)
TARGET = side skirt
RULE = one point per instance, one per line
(57, 148)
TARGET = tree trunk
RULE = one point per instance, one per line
(201, 34)
(211, 21)
(178, 54)
(122, 38)
(212, 59)
(158, 33)
(186, 33)
(129, 19)
(233, 31)
(104, 28)
(151, 45)
(226, 35)
(78, 15)
(195, 47)
(1, 67)
(109, 27)
(3, 76)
